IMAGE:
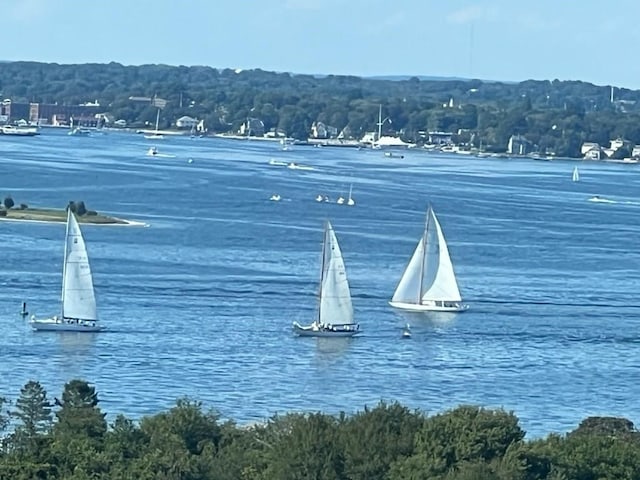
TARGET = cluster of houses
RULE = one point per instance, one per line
(593, 151)
(519, 145)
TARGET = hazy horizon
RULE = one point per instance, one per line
(491, 40)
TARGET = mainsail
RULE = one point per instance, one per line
(335, 296)
(78, 297)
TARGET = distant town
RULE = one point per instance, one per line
(541, 119)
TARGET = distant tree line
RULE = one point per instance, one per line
(69, 438)
(557, 116)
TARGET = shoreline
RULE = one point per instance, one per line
(120, 222)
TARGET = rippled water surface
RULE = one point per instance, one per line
(200, 303)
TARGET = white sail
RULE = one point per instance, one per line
(439, 279)
(576, 175)
(335, 297)
(429, 282)
(409, 287)
(78, 297)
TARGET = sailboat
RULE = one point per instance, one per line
(335, 310)
(156, 135)
(79, 313)
(78, 131)
(429, 282)
(576, 175)
(350, 201)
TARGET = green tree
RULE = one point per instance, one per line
(303, 447)
(8, 202)
(79, 413)
(465, 434)
(80, 208)
(33, 410)
(373, 439)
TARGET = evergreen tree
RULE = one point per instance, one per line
(79, 414)
(33, 409)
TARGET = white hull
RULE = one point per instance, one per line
(154, 137)
(66, 325)
(313, 330)
(421, 307)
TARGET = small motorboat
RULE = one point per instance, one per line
(406, 331)
(275, 197)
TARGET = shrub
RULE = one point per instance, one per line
(91, 213)
(23, 206)
(8, 202)
(80, 208)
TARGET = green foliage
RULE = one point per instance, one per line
(79, 415)
(303, 447)
(24, 206)
(388, 442)
(8, 202)
(465, 434)
(33, 411)
(607, 426)
(4, 417)
(80, 208)
(376, 437)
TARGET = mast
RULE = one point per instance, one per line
(379, 123)
(157, 119)
(424, 253)
(64, 261)
(324, 248)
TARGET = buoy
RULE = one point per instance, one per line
(191, 160)
(24, 311)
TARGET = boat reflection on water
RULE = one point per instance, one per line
(76, 346)
(441, 320)
(330, 350)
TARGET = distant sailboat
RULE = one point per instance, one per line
(156, 135)
(429, 282)
(576, 175)
(350, 201)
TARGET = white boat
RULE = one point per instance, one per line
(152, 152)
(335, 310)
(599, 199)
(79, 312)
(275, 197)
(350, 201)
(19, 131)
(296, 166)
(273, 161)
(79, 132)
(576, 175)
(406, 331)
(286, 146)
(429, 282)
(156, 135)
(319, 198)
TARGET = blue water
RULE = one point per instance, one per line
(200, 303)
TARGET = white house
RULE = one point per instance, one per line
(586, 146)
(186, 122)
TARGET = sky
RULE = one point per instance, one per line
(505, 40)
